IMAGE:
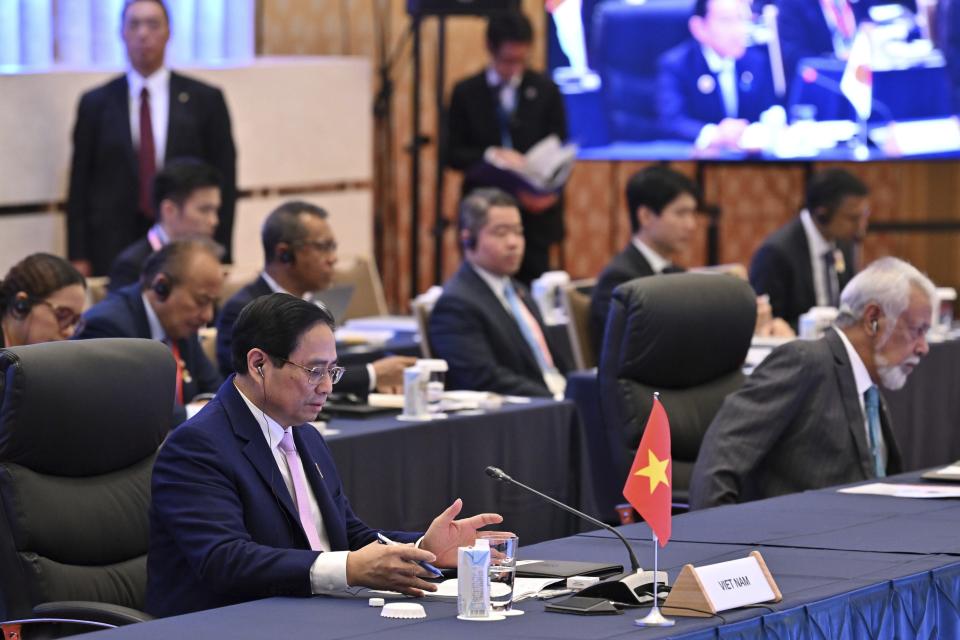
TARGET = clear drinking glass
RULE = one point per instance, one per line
(503, 570)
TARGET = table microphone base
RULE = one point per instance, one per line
(626, 588)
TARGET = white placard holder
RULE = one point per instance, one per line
(701, 592)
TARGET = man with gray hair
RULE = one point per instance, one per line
(485, 325)
(810, 415)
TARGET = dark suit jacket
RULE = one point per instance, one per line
(481, 342)
(356, 380)
(223, 526)
(473, 126)
(795, 425)
(684, 103)
(623, 267)
(103, 214)
(781, 269)
(126, 268)
(121, 315)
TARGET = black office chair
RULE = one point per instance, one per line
(685, 335)
(80, 424)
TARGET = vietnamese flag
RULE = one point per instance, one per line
(648, 486)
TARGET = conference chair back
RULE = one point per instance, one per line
(627, 41)
(686, 336)
(576, 302)
(80, 424)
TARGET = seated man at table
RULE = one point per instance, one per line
(173, 300)
(662, 207)
(246, 499)
(186, 197)
(300, 251)
(485, 324)
(809, 260)
(710, 87)
(810, 416)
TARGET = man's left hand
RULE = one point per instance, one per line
(446, 534)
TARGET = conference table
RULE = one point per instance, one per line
(400, 475)
(848, 566)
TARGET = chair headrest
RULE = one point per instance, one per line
(679, 330)
(84, 407)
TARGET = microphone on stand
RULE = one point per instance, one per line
(625, 588)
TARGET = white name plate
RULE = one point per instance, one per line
(703, 591)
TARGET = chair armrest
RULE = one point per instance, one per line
(102, 612)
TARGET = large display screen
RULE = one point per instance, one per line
(774, 80)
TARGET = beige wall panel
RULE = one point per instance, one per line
(21, 235)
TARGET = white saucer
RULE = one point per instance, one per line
(493, 617)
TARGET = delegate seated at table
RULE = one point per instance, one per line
(300, 252)
(485, 324)
(810, 416)
(246, 499)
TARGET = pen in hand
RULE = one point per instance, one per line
(426, 565)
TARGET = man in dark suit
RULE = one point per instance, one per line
(810, 416)
(485, 324)
(186, 197)
(711, 87)
(662, 207)
(128, 128)
(246, 500)
(808, 261)
(175, 297)
(499, 114)
(300, 252)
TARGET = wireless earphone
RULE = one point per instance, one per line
(21, 306)
(161, 286)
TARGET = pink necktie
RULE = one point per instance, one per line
(302, 494)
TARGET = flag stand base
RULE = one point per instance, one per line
(654, 619)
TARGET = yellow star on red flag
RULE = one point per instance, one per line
(656, 471)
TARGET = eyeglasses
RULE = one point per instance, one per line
(315, 375)
(66, 317)
(324, 246)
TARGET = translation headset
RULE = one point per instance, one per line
(470, 241)
(875, 325)
(260, 370)
(286, 256)
(823, 215)
(21, 307)
(161, 286)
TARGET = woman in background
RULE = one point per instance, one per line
(41, 299)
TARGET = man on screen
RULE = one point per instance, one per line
(810, 416)
(246, 499)
(712, 86)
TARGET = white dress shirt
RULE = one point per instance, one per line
(863, 381)
(156, 329)
(276, 288)
(329, 571)
(158, 84)
(657, 262)
(818, 246)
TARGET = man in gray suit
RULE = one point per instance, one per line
(810, 415)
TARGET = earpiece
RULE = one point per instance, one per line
(470, 241)
(822, 215)
(161, 286)
(875, 325)
(286, 256)
(260, 370)
(21, 306)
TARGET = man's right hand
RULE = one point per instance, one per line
(391, 567)
(389, 372)
(83, 266)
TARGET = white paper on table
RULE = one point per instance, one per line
(905, 490)
(522, 588)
